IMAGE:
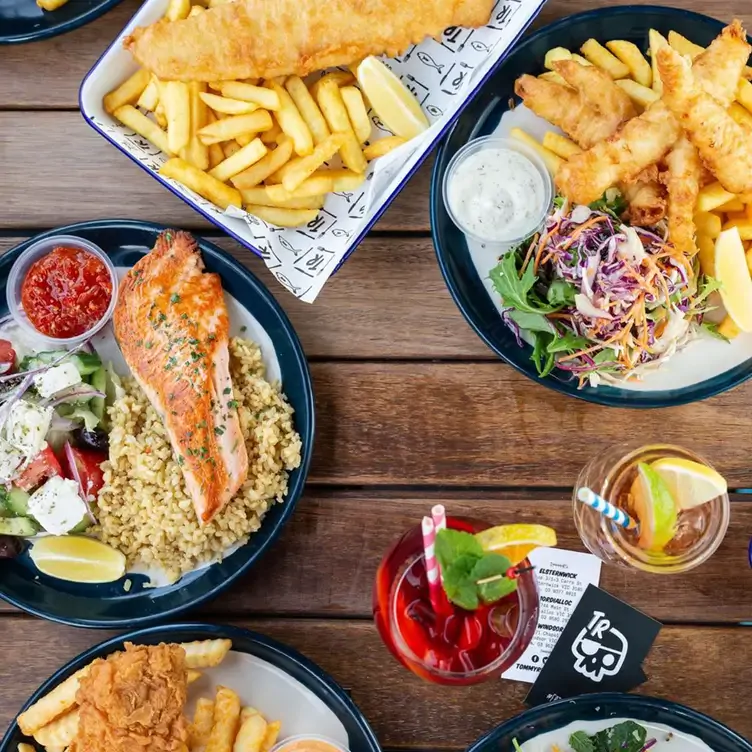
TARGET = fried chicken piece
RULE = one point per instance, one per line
(683, 183)
(268, 38)
(133, 702)
(724, 146)
(567, 109)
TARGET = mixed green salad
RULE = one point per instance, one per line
(598, 298)
(627, 736)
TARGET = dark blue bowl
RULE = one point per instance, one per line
(630, 22)
(24, 21)
(362, 738)
(545, 718)
(108, 605)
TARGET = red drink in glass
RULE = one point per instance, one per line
(454, 646)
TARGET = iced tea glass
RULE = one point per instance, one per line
(458, 647)
(610, 474)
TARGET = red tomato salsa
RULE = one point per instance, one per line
(66, 292)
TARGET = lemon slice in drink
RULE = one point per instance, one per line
(690, 483)
(655, 508)
(395, 105)
(516, 541)
(77, 558)
(732, 272)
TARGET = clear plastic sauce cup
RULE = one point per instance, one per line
(308, 743)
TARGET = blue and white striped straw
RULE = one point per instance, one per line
(606, 508)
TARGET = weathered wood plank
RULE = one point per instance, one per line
(700, 667)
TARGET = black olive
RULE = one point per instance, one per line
(96, 439)
(10, 546)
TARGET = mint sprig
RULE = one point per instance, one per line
(470, 575)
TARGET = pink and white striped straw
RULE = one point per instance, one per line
(438, 513)
(432, 566)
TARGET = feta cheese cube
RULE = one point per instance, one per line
(57, 506)
(57, 378)
(10, 460)
(27, 427)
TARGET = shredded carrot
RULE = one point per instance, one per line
(528, 254)
(590, 223)
(542, 245)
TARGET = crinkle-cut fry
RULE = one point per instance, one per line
(128, 92)
(205, 653)
(200, 728)
(251, 734)
(270, 738)
(192, 675)
(60, 732)
(226, 721)
(52, 705)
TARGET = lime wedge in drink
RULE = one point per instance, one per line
(655, 508)
(690, 483)
(515, 541)
(77, 558)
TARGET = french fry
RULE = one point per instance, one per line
(382, 147)
(712, 196)
(129, 116)
(226, 720)
(684, 47)
(736, 215)
(743, 225)
(282, 217)
(258, 95)
(235, 125)
(554, 55)
(159, 115)
(554, 77)
(330, 101)
(271, 162)
(598, 55)
(735, 205)
(245, 138)
(178, 10)
(579, 59)
(270, 739)
(748, 210)
(560, 145)
(296, 172)
(708, 224)
(259, 197)
(51, 4)
(706, 254)
(748, 257)
(203, 720)
(316, 185)
(251, 734)
(270, 136)
(196, 10)
(641, 95)
(356, 109)
(246, 712)
(192, 675)
(205, 653)
(197, 153)
(292, 122)
(345, 180)
(241, 160)
(23, 747)
(60, 732)
(553, 162)
(338, 77)
(228, 106)
(149, 98)
(727, 328)
(212, 190)
(633, 58)
(308, 108)
(128, 92)
(744, 94)
(656, 41)
(177, 103)
(741, 114)
(216, 155)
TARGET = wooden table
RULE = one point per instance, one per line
(412, 409)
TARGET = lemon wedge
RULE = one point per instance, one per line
(77, 558)
(516, 541)
(732, 272)
(655, 508)
(395, 105)
(690, 483)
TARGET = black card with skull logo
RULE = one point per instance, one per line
(601, 649)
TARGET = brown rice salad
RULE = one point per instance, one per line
(143, 508)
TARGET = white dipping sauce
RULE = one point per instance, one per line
(496, 194)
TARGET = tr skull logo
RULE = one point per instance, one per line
(599, 648)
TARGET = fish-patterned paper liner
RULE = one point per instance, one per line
(442, 73)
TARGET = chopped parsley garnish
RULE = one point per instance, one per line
(174, 298)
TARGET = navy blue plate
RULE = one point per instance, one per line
(481, 118)
(24, 21)
(362, 738)
(532, 723)
(108, 605)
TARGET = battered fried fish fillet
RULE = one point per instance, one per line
(724, 145)
(717, 69)
(683, 183)
(268, 38)
(647, 202)
(566, 108)
(133, 702)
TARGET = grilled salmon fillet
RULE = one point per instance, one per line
(172, 327)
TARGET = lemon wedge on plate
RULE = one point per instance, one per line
(77, 558)
(690, 483)
(515, 541)
(395, 105)
(655, 508)
(732, 272)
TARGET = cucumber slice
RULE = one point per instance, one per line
(99, 382)
(21, 526)
(86, 363)
(81, 527)
(17, 501)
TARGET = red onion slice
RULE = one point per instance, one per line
(82, 492)
(77, 393)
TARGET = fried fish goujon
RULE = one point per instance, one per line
(268, 38)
